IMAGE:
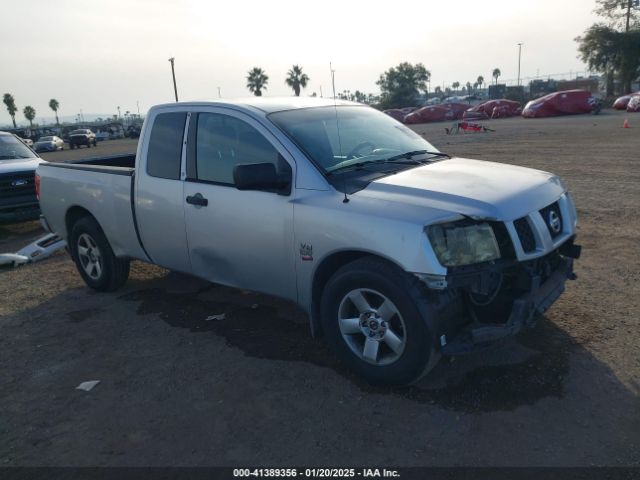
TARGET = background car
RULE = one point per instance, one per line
(18, 201)
(82, 136)
(50, 143)
(102, 135)
(27, 141)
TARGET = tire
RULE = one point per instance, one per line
(89, 247)
(402, 356)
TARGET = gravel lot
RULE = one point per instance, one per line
(254, 388)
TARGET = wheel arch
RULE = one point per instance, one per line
(324, 271)
(74, 214)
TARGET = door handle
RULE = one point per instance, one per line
(197, 199)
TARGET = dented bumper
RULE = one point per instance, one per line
(541, 287)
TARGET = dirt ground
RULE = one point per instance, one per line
(254, 388)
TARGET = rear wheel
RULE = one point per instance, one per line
(373, 315)
(94, 258)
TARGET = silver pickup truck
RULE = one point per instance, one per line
(399, 253)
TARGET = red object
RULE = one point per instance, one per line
(634, 104)
(37, 184)
(501, 112)
(622, 102)
(413, 118)
(457, 109)
(569, 102)
(471, 115)
(430, 114)
(396, 113)
(625, 124)
(507, 108)
(470, 127)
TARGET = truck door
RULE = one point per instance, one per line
(237, 238)
(159, 202)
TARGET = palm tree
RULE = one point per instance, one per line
(11, 107)
(296, 79)
(469, 88)
(496, 73)
(257, 81)
(455, 86)
(29, 114)
(480, 80)
(54, 105)
(437, 90)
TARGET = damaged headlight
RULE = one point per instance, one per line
(458, 244)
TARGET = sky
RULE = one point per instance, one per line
(96, 56)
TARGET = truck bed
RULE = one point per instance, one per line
(123, 164)
(103, 186)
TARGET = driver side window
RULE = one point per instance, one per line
(222, 142)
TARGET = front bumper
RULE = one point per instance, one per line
(22, 213)
(540, 295)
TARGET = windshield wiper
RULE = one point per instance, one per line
(359, 165)
(410, 155)
(404, 158)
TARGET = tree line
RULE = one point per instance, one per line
(29, 112)
(402, 85)
(612, 47)
(257, 80)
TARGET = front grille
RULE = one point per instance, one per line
(17, 184)
(525, 234)
(552, 219)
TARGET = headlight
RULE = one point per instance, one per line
(457, 244)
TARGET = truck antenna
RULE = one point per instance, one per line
(335, 109)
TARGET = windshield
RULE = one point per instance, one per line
(78, 132)
(365, 135)
(46, 139)
(12, 148)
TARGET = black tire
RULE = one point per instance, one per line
(114, 271)
(408, 296)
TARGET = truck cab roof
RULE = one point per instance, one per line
(266, 105)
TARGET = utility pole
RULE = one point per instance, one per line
(138, 105)
(519, 57)
(320, 91)
(219, 96)
(173, 74)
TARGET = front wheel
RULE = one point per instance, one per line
(94, 258)
(373, 315)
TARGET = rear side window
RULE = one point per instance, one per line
(165, 145)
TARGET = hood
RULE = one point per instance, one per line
(19, 164)
(470, 187)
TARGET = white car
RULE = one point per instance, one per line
(49, 144)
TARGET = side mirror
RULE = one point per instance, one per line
(261, 176)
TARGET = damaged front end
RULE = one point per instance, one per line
(504, 297)
(500, 275)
